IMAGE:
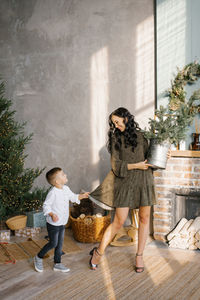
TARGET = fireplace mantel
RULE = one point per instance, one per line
(185, 153)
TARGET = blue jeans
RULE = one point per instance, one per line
(56, 238)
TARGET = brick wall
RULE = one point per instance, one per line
(181, 173)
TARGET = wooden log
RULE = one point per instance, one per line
(197, 235)
(188, 237)
(180, 246)
(176, 230)
(192, 241)
(184, 231)
(197, 244)
(192, 247)
(195, 226)
(178, 242)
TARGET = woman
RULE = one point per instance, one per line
(129, 184)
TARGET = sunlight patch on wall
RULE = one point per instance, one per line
(99, 101)
(144, 100)
(171, 43)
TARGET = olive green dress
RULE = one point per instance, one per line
(123, 187)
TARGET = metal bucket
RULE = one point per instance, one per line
(157, 155)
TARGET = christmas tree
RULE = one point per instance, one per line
(15, 180)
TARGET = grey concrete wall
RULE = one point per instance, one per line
(67, 64)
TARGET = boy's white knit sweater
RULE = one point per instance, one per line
(57, 202)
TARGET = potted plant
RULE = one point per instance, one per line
(33, 200)
(31, 205)
(171, 123)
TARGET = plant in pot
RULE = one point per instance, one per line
(33, 200)
(170, 124)
(31, 205)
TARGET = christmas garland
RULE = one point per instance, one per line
(171, 122)
(177, 95)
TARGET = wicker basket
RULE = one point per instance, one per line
(90, 229)
(17, 222)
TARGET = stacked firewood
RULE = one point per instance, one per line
(186, 234)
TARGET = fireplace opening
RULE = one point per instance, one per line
(186, 205)
(185, 233)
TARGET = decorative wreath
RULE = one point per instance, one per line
(177, 95)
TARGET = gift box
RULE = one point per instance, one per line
(35, 219)
(27, 232)
(4, 235)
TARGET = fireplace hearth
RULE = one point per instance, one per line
(178, 194)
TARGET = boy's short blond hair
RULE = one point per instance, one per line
(51, 175)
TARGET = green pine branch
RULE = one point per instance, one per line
(171, 123)
(15, 180)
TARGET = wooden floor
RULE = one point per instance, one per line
(169, 274)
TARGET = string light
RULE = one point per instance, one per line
(15, 181)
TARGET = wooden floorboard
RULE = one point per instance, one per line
(169, 274)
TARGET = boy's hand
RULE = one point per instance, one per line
(54, 217)
(83, 196)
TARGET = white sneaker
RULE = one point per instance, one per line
(38, 264)
(60, 267)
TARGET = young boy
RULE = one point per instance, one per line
(56, 210)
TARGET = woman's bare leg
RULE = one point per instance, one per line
(120, 217)
(143, 231)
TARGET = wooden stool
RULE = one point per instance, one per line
(131, 232)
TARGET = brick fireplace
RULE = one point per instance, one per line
(181, 177)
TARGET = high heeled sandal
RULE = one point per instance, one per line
(93, 252)
(139, 268)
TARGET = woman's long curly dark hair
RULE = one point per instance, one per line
(130, 135)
